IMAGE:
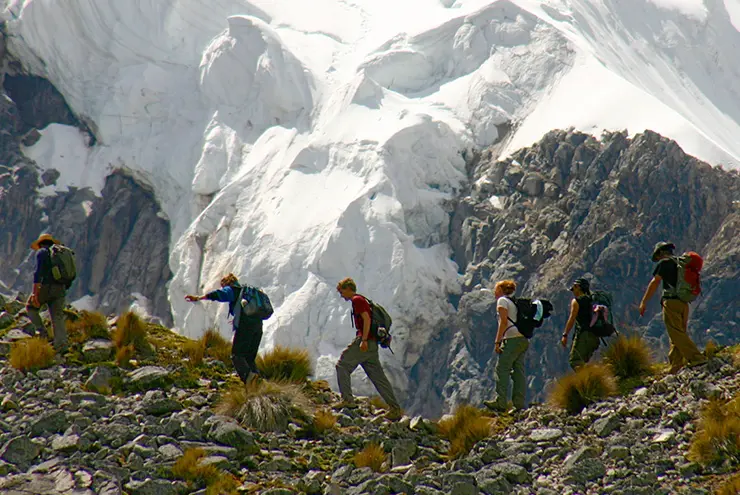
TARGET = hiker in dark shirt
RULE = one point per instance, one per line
(247, 331)
(585, 342)
(683, 351)
(47, 291)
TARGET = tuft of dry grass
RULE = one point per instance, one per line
(189, 468)
(324, 420)
(718, 436)
(194, 351)
(730, 487)
(711, 349)
(464, 428)
(31, 354)
(216, 346)
(591, 383)
(131, 330)
(372, 456)
(629, 357)
(124, 355)
(265, 405)
(88, 325)
(285, 363)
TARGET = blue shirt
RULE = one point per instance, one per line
(226, 294)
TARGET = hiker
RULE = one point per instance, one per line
(511, 346)
(247, 330)
(585, 342)
(683, 351)
(363, 351)
(47, 290)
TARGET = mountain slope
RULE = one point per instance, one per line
(297, 145)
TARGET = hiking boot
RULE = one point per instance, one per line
(394, 414)
(345, 405)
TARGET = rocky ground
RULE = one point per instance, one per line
(58, 437)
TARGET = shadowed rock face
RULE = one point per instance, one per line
(570, 206)
(121, 238)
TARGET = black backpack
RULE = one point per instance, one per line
(252, 302)
(380, 324)
(602, 322)
(530, 314)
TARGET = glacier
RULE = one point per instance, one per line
(296, 143)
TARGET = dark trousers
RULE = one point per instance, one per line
(244, 347)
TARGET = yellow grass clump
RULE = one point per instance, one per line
(730, 487)
(575, 391)
(265, 405)
(285, 363)
(324, 420)
(88, 325)
(189, 468)
(718, 436)
(629, 357)
(372, 456)
(31, 354)
(131, 330)
(711, 349)
(467, 426)
(124, 355)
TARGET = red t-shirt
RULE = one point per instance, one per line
(359, 306)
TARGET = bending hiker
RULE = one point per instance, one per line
(363, 351)
(585, 342)
(683, 351)
(511, 347)
(54, 274)
(247, 329)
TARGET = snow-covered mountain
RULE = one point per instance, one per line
(296, 143)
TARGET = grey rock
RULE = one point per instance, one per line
(396, 484)
(6, 468)
(8, 404)
(151, 487)
(545, 434)
(20, 451)
(512, 472)
(618, 452)
(169, 451)
(403, 451)
(451, 480)
(54, 421)
(99, 380)
(157, 404)
(229, 433)
(580, 455)
(66, 443)
(5, 318)
(278, 491)
(604, 426)
(97, 350)
(148, 376)
(666, 435)
(216, 460)
(495, 486)
(311, 484)
(278, 463)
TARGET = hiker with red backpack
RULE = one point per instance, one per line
(55, 272)
(681, 285)
(363, 351)
(249, 306)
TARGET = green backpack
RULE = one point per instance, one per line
(63, 267)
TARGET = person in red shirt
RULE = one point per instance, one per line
(363, 351)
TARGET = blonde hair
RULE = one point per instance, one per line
(229, 279)
(347, 283)
(508, 287)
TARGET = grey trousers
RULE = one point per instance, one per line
(352, 357)
(510, 367)
(54, 297)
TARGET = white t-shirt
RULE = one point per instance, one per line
(505, 302)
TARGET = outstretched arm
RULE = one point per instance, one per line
(194, 298)
(649, 292)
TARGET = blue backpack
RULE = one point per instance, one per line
(253, 303)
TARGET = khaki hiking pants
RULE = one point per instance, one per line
(510, 367)
(584, 345)
(352, 357)
(51, 295)
(683, 351)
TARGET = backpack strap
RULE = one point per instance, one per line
(513, 323)
(238, 307)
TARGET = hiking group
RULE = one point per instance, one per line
(590, 314)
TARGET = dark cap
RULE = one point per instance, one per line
(662, 246)
(581, 282)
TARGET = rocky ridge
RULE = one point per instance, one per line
(60, 437)
(121, 237)
(573, 205)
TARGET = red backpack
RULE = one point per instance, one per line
(688, 284)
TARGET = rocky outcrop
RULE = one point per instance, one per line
(121, 237)
(569, 206)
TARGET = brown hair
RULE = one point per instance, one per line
(507, 286)
(347, 283)
(229, 279)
